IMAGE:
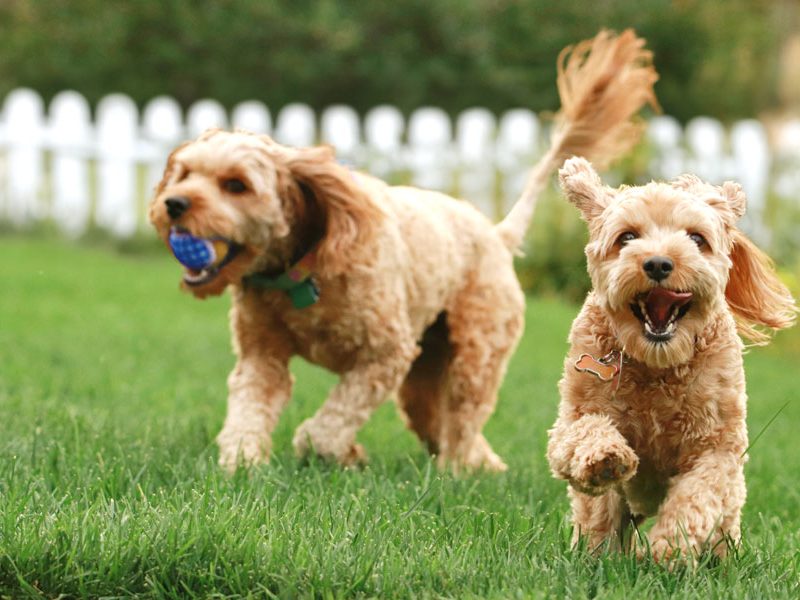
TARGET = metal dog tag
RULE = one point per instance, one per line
(605, 368)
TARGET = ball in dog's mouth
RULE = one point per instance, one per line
(659, 310)
(203, 258)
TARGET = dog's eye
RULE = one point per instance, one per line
(234, 186)
(626, 237)
(698, 239)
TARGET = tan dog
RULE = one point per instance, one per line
(395, 289)
(663, 433)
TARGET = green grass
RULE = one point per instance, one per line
(112, 387)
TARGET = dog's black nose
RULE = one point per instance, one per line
(658, 268)
(176, 206)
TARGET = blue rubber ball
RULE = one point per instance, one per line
(192, 252)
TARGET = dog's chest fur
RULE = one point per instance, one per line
(664, 414)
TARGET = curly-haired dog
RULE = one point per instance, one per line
(652, 415)
(395, 289)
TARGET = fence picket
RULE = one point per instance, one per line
(485, 156)
(340, 127)
(71, 141)
(786, 182)
(203, 115)
(24, 132)
(518, 144)
(665, 133)
(383, 132)
(430, 152)
(252, 116)
(296, 126)
(162, 130)
(117, 200)
(706, 139)
(751, 157)
(475, 134)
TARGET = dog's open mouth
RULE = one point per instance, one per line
(203, 258)
(660, 310)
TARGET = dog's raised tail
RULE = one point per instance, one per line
(602, 83)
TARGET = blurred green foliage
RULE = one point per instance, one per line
(450, 53)
(553, 262)
(715, 57)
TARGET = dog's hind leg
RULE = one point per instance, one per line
(424, 389)
(485, 324)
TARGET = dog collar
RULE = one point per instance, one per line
(297, 281)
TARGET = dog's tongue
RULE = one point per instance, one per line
(660, 303)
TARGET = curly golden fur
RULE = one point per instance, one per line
(418, 294)
(667, 435)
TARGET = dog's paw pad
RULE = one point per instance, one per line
(609, 468)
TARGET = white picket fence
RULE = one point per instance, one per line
(64, 165)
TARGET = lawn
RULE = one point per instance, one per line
(112, 388)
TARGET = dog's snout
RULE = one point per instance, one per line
(176, 206)
(658, 268)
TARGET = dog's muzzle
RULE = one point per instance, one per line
(659, 310)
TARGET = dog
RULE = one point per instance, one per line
(397, 290)
(653, 401)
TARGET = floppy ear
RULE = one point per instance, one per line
(731, 201)
(754, 293)
(351, 217)
(584, 188)
(728, 198)
(734, 194)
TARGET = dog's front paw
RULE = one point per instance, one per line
(246, 449)
(327, 445)
(595, 469)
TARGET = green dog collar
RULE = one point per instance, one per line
(297, 281)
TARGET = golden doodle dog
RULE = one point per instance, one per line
(395, 289)
(653, 401)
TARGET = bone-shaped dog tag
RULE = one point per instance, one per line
(587, 363)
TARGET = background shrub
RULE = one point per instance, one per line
(715, 56)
